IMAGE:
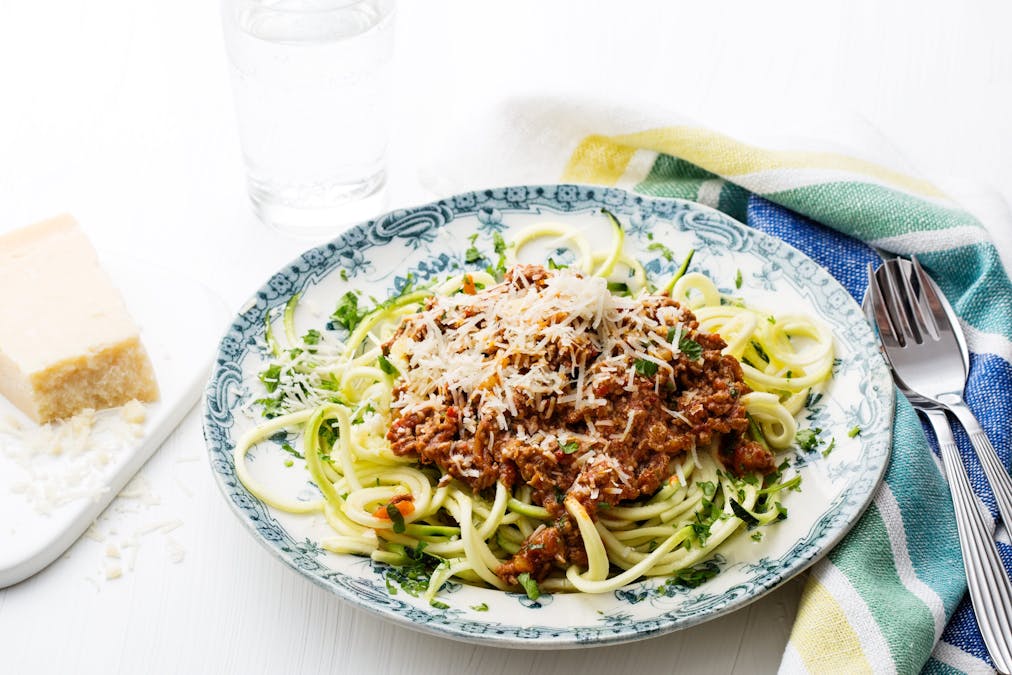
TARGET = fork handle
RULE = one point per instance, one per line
(994, 469)
(990, 590)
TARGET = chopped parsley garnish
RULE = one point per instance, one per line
(664, 250)
(771, 319)
(344, 275)
(438, 605)
(692, 349)
(737, 279)
(498, 243)
(312, 337)
(473, 255)
(396, 518)
(483, 607)
(271, 377)
(854, 432)
(347, 313)
(530, 586)
(829, 448)
(570, 447)
(644, 367)
(386, 366)
(757, 535)
(291, 451)
(808, 439)
(696, 575)
(672, 332)
(709, 488)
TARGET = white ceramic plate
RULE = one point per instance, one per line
(431, 240)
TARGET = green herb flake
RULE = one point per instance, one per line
(854, 432)
(386, 366)
(692, 577)
(473, 255)
(530, 586)
(312, 337)
(771, 319)
(396, 518)
(552, 265)
(692, 349)
(737, 279)
(483, 607)
(618, 287)
(438, 605)
(498, 243)
(808, 439)
(570, 447)
(289, 462)
(271, 377)
(291, 451)
(645, 368)
(663, 250)
(757, 535)
(347, 313)
(829, 448)
(344, 275)
(709, 488)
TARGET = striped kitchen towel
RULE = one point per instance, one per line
(891, 596)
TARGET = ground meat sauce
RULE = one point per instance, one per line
(616, 388)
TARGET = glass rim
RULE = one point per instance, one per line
(328, 6)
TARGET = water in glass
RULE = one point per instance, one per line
(310, 79)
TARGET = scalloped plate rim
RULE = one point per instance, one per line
(604, 635)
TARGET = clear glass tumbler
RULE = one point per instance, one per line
(311, 86)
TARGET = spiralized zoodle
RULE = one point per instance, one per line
(338, 394)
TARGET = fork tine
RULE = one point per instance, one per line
(897, 305)
(935, 304)
(922, 320)
(886, 330)
(931, 321)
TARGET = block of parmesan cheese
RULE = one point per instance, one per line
(66, 340)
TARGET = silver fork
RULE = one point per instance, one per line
(937, 362)
(920, 348)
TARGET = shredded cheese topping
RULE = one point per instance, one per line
(538, 340)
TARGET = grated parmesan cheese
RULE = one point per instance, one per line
(493, 349)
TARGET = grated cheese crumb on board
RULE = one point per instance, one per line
(67, 460)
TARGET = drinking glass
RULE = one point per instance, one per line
(311, 85)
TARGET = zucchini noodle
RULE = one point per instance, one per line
(337, 396)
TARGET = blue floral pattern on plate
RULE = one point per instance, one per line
(379, 256)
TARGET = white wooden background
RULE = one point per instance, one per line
(119, 111)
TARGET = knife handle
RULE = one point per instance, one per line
(994, 469)
(990, 590)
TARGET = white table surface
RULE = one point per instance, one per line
(120, 113)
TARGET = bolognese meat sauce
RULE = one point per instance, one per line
(549, 380)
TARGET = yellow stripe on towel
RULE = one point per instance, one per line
(598, 160)
(603, 159)
(822, 635)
